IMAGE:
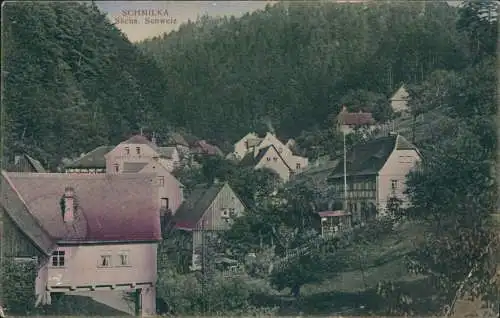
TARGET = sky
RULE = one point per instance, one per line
(172, 14)
(142, 26)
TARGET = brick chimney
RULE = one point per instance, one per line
(69, 204)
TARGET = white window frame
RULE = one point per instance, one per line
(59, 257)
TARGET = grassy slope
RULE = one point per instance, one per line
(345, 290)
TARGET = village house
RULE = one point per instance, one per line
(201, 147)
(347, 122)
(91, 162)
(208, 209)
(138, 155)
(253, 145)
(25, 163)
(376, 172)
(269, 158)
(177, 140)
(399, 102)
(87, 233)
(170, 190)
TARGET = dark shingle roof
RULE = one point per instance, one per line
(368, 158)
(322, 170)
(37, 166)
(203, 147)
(250, 160)
(93, 159)
(175, 139)
(133, 167)
(167, 152)
(111, 207)
(191, 211)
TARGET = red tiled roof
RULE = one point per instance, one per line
(110, 207)
(201, 146)
(357, 119)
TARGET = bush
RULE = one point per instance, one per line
(185, 295)
(18, 286)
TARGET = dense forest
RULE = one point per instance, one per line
(73, 81)
(293, 66)
(84, 84)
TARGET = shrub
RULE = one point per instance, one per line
(18, 286)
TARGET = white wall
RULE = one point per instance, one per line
(397, 167)
(82, 265)
(119, 155)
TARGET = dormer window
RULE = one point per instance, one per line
(138, 150)
(127, 151)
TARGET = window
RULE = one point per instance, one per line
(127, 151)
(268, 158)
(297, 165)
(161, 181)
(117, 167)
(58, 258)
(105, 261)
(138, 150)
(123, 259)
(164, 203)
(394, 184)
(275, 159)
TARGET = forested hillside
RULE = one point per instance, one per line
(73, 81)
(294, 66)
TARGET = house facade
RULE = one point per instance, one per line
(209, 208)
(252, 144)
(269, 158)
(170, 190)
(376, 172)
(399, 101)
(86, 232)
(131, 155)
(347, 122)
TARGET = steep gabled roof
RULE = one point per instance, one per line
(174, 139)
(368, 158)
(191, 211)
(203, 147)
(250, 160)
(141, 140)
(37, 166)
(400, 91)
(93, 159)
(110, 207)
